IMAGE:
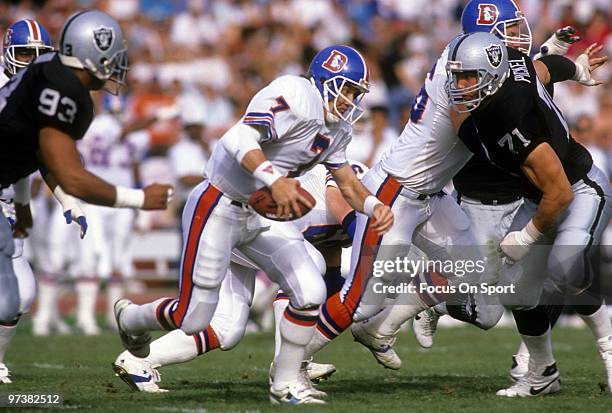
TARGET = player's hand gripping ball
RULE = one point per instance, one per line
(262, 202)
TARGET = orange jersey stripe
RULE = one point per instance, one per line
(370, 243)
(207, 202)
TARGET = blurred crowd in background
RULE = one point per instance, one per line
(195, 64)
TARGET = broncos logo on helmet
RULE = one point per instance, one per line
(500, 17)
(24, 38)
(333, 69)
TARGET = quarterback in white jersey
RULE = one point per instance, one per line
(325, 227)
(289, 126)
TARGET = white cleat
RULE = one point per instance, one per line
(318, 372)
(381, 347)
(89, 329)
(520, 365)
(61, 327)
(137, 373)
(137, 345)
(40, 328)
(424, 326)
(536, 382)
(294, 394)
(604, 345)
(5, 374)
(304, 380)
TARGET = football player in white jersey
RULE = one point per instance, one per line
(111, 151)
(23, 41)
(290, 126)
(327, 227)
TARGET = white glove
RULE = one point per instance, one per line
(72, 210)
(559, 42)
(515, 244)
(583, 71)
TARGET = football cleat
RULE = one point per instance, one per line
(294, 394)
(520, 365)
(604, 345)
(137, 345)
(303, 379)
(534, 383)
(424, 326)
(318, 372)
(5, 374)
(381, 347)
(137, 373)
(89, 329)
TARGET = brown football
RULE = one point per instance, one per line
(262, 202)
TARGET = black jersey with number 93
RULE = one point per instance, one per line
(45, 94)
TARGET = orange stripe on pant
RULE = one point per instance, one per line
(370, 242)
(207, 202)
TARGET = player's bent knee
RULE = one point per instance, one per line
(489, 316)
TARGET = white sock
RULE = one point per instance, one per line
(388, 322)
(114, 291)
(316, 343)
(540, 349)
(296, 328)
(137, 319)
(172, 348)
(87, 293)
(47, 297)
(279, 307)
(6, 335)
(599, 323)
(522, 349)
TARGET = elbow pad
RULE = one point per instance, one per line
(240, 139)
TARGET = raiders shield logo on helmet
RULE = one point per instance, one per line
(487, 14)
(103, 38)
(494, 55)
(335, 62)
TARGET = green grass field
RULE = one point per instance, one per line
(460, 373)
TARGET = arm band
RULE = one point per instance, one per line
(240, 140)
(560, 68)
(348, 224)
(266, 173)
(370, 203)
(129, 198)
(22, 191)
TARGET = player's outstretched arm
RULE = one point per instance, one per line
(360, 199)
(60, 156)
(544, 170)
(554, 68)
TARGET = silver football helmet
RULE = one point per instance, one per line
(481, 55)
(93, 40)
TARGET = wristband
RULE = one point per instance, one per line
(529, 234)
(66, 200)
(129, 198)
(266, 173)
(370, 203)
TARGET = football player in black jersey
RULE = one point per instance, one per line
(491, 196)
(521, 131)
(45, 109)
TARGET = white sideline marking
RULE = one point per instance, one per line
(48, 366)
